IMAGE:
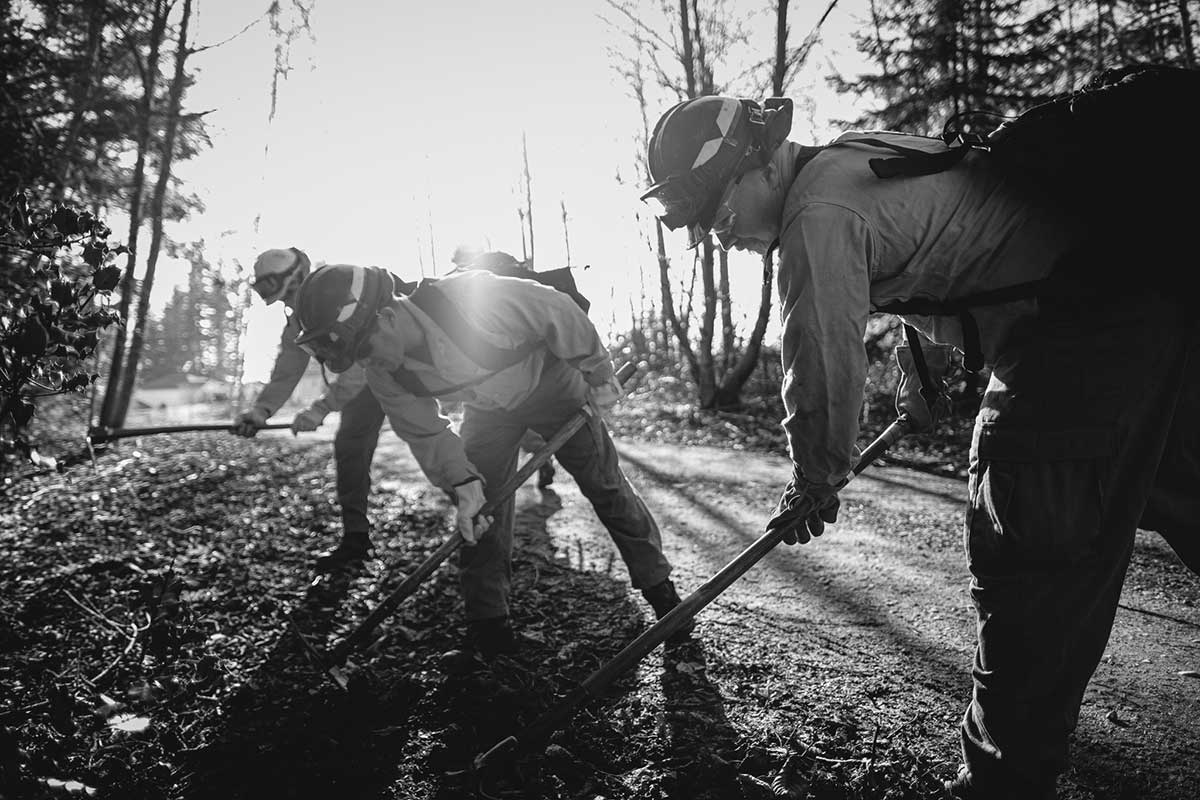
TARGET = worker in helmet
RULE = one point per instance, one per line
(519, 355)
(1086, 406)
(502, 263)
(278, 274)
(464, 254)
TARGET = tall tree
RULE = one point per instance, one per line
(157, 206)
(109, 413)
(684, 62)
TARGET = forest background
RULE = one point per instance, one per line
(168, 141)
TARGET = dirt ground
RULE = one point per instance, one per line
(148, 618)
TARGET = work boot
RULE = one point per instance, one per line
(662, 597)
(491, 637)
(350, 552)
(545, 475)
(963, 787)
(485, 639)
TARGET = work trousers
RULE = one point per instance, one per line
(1088, 427)
(492, 440)
(353, 449)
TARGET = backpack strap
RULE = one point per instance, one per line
(961, 308)
(913, 162)
(928, 392)
(467, 337)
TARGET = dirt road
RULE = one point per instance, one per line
(871, 626)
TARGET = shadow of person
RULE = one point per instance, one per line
(698, 732)
(289, 731)
(569, 621)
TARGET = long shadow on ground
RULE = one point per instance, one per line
(291, 733)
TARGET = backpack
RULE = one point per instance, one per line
(1090, 152)
(467, 337)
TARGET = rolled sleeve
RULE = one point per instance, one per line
(824, 289)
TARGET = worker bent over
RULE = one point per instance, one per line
(278, 275)
(519, 356)
(1088, 426)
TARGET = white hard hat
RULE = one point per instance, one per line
(464, 254)
(278, 271)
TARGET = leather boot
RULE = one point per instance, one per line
(662, 597)
(350, 552)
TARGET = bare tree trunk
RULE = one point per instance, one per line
(524, 249)
(82, 95)
(664, 275)
(1185, 33)
(727, 344)
(174, 101)
(528, 198)
(116, 368)
(689, 64)
(729, 393)
(566, 230)
(779, 75)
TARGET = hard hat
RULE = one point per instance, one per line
(276, 272)
(464, 254)
(699, 146)
(336, 307)
(498, 261)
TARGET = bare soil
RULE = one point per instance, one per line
(149, 612)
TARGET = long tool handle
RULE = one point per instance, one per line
(100, 435)
(435, 559)
(657, 633)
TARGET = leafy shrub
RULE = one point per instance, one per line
(55, 267)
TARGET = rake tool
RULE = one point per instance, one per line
(102, 434)
(595, 684)
(332, 663)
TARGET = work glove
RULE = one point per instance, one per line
(248, 423)
(909, 400)
(606, 395)
(468, 496)
(307, 420)
(803, 510)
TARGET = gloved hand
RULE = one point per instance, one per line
(248, 423)
(909, 401)
(803, 510)
(606, 395)
(469, 498)
(307, 420)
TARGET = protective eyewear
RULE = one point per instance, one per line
(339, 354)
(679, 200)
(691, 200)
(271, 285)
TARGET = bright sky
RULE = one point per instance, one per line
(402, 118)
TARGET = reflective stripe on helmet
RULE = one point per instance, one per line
(725, 117)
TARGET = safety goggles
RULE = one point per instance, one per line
(271, 286)
(690, 200)
(339, 354)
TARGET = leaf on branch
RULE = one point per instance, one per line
(105, 279)
(93, 255)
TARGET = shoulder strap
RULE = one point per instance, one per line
(466, 336)
(911, 161)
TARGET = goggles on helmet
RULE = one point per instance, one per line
(693, 198)
(338, 348)
(272, 284)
